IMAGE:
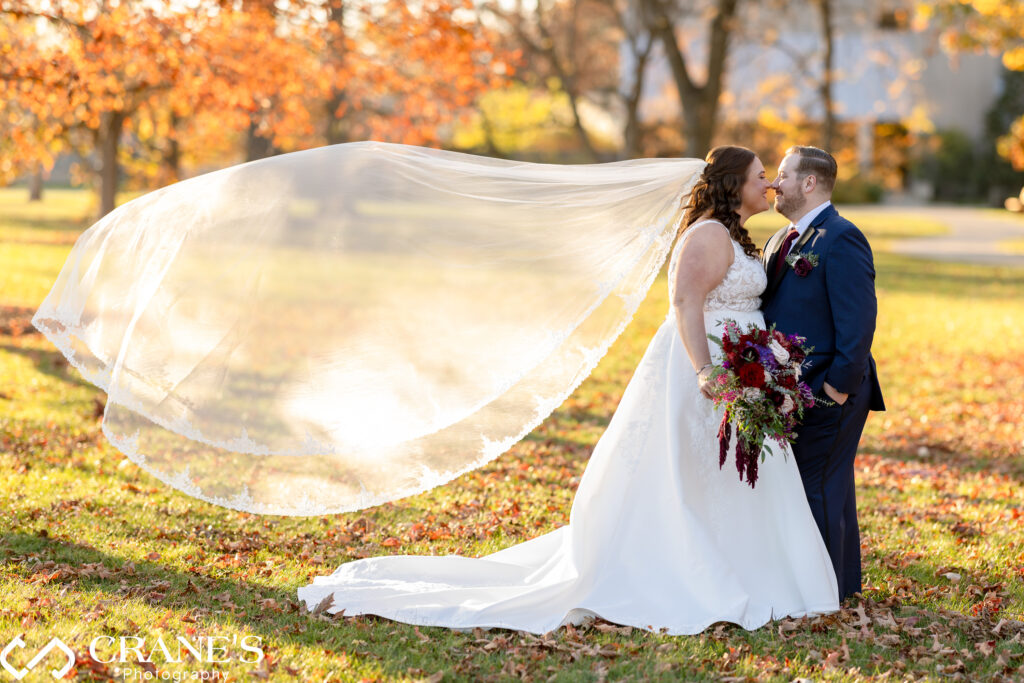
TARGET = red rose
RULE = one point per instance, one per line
(802, 267)
(788, 381)
(752, 375)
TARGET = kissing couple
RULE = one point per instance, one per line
(659, 536)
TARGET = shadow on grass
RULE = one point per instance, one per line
(16, 320)
(54, 224)
(51, 363)
(209, 600)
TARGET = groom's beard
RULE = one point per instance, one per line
(788, 205)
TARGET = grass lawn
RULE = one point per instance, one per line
(92, 546)
(1012, 246)
(1006, 215)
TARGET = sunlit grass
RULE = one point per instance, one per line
(1012, 246)
(1004, 214)
(880, 227)
(91, 545)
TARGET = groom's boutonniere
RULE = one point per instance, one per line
(802, 262)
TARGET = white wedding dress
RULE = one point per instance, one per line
(658, 538)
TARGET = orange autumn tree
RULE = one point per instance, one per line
(246, 82)
(403, 72)
(252, 89)
(26, 141)
(151, 87)
(86, 72)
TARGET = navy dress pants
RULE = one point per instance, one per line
(825, 448)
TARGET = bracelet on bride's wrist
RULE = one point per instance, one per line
(706, 367)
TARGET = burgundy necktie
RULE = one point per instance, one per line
(780, 262)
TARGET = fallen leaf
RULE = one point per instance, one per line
(323, 605)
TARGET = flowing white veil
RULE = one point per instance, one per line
(327, 330)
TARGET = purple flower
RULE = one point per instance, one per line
(802, 267)
(767, 358)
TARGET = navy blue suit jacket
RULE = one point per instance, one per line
(833, 306)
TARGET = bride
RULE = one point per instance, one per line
(659, 537)
(331, 329)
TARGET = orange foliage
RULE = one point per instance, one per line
(186, 82)
(409, 71)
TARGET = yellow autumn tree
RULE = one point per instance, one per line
(989, 25)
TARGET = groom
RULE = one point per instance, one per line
(821, 285)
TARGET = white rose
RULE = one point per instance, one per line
(787, 405)
(781, 354)
(751, 394)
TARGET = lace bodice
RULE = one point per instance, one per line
(743, 284)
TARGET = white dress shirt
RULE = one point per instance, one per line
(805, 222)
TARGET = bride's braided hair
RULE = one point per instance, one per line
(717, 193)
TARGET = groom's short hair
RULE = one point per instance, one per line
(816, 162)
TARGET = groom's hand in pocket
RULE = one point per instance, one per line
(834, 394)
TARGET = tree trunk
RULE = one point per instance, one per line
(257, 146)
(565, 74)
(633, 134)
(699, 102)
(35, 186)
(640, 41)
(577, 124)
(698, 131)
(335, 130)
(827, 101)
(172, 154)
(109, 141)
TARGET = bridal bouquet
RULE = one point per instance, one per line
(759, 384)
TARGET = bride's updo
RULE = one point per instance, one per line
(717, 193)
